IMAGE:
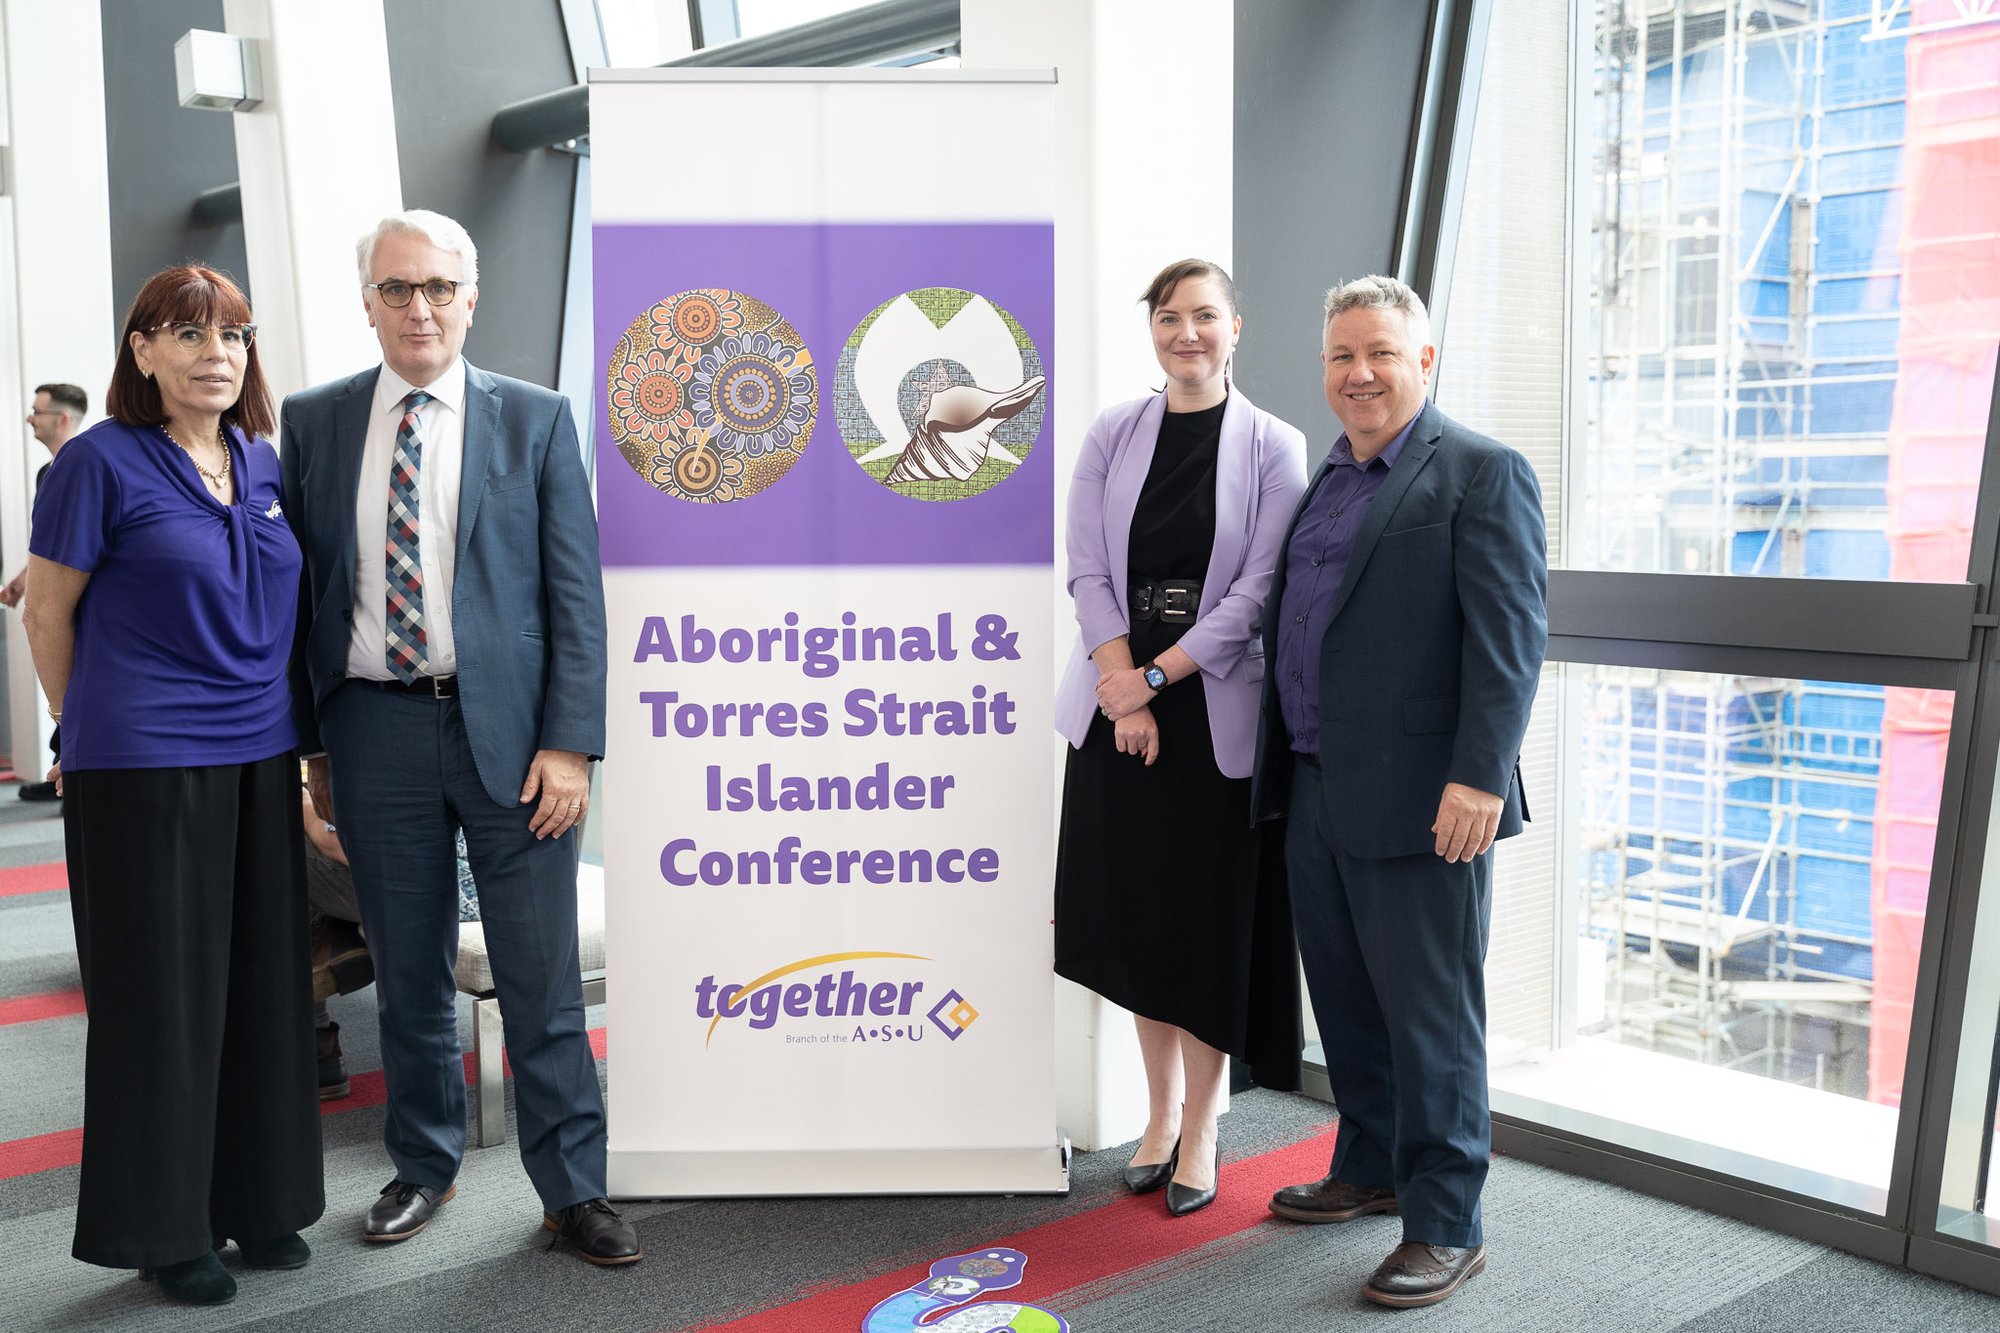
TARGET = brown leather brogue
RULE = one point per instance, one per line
(1418, 1274)
(1331, 1200)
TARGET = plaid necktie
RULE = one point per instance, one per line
(400, 557)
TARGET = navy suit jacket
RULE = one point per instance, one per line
(1429, 667)
(527, 599)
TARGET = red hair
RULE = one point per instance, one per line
(186, 294)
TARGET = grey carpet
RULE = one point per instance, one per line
(1566, 1253)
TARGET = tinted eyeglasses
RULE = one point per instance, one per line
(235, 337)
(396, 293)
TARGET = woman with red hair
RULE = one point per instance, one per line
(162, 589)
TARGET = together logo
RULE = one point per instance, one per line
(841, 1005)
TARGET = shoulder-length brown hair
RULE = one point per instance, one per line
(186, 294)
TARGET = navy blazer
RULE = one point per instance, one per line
(527, 598)
(1429, 667)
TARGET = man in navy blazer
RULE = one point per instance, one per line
(450, 671)
(1404, 632)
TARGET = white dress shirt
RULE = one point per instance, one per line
(441, 428)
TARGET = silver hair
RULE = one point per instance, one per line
(436, 228)
(1376, 292)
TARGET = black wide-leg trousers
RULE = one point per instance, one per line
(201, 1105)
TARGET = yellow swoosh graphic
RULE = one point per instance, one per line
(738, 992)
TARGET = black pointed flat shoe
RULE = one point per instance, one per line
(198, 1281)
(278, 1253)
(1145, 1179)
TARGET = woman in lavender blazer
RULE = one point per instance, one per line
(1168, 901)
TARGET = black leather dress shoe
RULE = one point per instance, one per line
(596, 1232)
(1331, 1200)
(403, 1210)
(198, 1281)
(1417, 1274)
(1145, 1179)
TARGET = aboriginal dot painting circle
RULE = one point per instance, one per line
(939, 394)
(712, 396)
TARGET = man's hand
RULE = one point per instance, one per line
(55, 776)
(319, 785)
(12, 591)
(561, 778)
(1467, 820)
(1122, 693)
(1137, 733)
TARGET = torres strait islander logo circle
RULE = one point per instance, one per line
(836, 999)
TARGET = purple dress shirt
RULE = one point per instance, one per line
(1315, 563)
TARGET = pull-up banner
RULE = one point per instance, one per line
(824, 314)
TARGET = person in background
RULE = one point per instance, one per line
(57, 415)
(1169, 902)
(162, 586)
(341, 965)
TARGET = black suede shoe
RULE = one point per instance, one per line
(596, 1232)
(1145, 1179)
(1417, 1274)
(403, 1210)
(279, 1253)
(1331, 1200)
(198, 1281)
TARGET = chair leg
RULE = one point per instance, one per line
(489, 1101)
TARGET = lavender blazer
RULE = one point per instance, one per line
(1259, 476)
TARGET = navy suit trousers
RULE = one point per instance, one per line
(1394, 952)
(403, 779)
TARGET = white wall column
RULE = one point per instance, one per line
(318, 168)
(1143, 164)
(57, 309)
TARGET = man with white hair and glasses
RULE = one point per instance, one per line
(450, 669)
(1404, 633)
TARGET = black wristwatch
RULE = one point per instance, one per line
(1154, 676)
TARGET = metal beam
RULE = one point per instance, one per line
(858, 37)
(220, 206)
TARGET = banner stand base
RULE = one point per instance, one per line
(765, 1173)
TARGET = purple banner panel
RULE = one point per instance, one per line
(823, 280)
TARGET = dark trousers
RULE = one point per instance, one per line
(403, 780)
(1394, 953)
(201, 1105)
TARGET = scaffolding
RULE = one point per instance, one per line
(1723, 817)
(1744, 361)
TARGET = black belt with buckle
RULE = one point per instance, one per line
(436, 687)
(1172, 601)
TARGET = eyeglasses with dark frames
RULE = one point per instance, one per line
(396, 292)
(193, 337)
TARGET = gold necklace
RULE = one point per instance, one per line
(215, 479)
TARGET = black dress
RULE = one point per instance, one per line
(1168, 902)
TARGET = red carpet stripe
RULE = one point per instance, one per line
(34, 879)
(46, 1152)
(1130, 1232)
(34, 1008)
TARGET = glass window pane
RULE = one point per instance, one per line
(1793, 267)
(1745, 866)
